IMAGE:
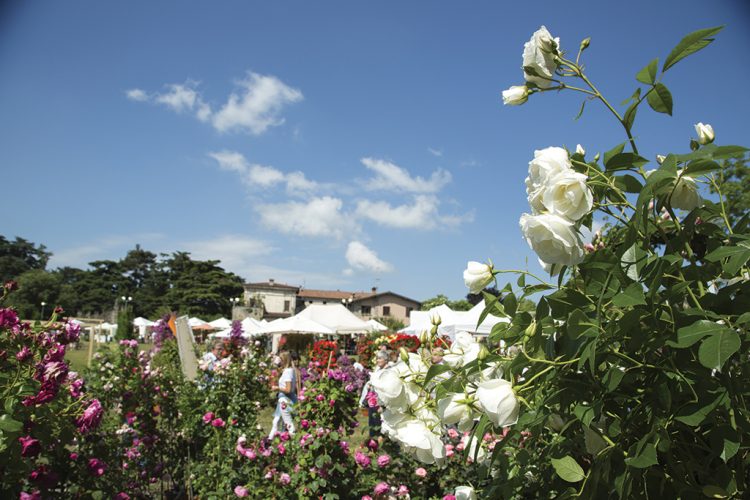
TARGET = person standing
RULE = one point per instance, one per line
(373, 413)
(288, 392)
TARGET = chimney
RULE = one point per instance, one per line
(270, 281)
(374, 289)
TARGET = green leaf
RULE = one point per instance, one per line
(585, 414)
(633, 261)
(631, 296)
(716, 349)
(434, 371)
(645, 458)
(648, 74)
(700, 167)
(660, 99)
(725, 152)
(712, 491)
(689, 335)
(612, 378)
(629, 117)
(579, 324)
(568, 469)
(7, 424)
(628, 183)
(614, 151)
(691, 44)
(625, 160)
(580, 111)
(693, 414)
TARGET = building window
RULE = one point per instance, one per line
(365, 310)
(386, 310)
(286, 306)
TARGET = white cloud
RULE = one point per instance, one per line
(435, 152)
(362, 258)
(137, 95)
(389, 176)
(179, 98)
(317, 217)
(237, 253)
(422, 214)
(258, 105)
(255, 175)
(254, 108)
(231, 161)
(264, 176)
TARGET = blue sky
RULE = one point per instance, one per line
(326, 144)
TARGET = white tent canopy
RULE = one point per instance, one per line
(193, 322)
(452, 322)
(139, 321)
(221, 323)
(336, 317)
(296, 324)
(376, 326)
(250, 328)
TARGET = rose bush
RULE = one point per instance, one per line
(627, 379)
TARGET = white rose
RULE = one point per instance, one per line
(474, 447)
(389, 387)
(516, 95)
(419, 440)
(498, 401)
(568, 195)
(705, 133)
(546, 164)
(539, 54)
(553, 238)
(464, 350)
(685, 194)
(465, 493)
(477, 276)
(580, 150)
(456, 409)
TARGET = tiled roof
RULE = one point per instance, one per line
(331, 294)
(271, 284)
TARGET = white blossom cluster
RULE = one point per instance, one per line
(416, 417)
(559, 197)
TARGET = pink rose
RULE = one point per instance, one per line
(381, 488)
(208, 417)
(241, 491)
(420, 472)
(217, 422)
(403, 491)
(383, 460)
(285, 478)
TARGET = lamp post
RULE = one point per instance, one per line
(347, 302)
(235, 302)
(43, 304)
(127, 300)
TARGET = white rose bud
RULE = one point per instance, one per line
(465, 493)
(568, 195)
(498, 401)
(553, 238)
(705, 133)
(539, 54)
(546, 164)
(477, 276)
(580, 150)
(685, 194)
(516, 95)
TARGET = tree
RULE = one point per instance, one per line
(440, 299)
(19, 256)
(476, 298)
(200, 287)
(734, 183)
(34, 287)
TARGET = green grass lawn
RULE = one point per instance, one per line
(78, 358)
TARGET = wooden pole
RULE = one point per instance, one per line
(92, 339)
